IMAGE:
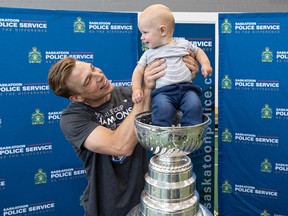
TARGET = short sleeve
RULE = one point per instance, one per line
(143, 59)
(77, 125)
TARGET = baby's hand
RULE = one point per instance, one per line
(206, 70)
(137, 96)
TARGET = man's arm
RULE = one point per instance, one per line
(122, 141)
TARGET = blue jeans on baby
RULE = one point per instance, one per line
(184, 97)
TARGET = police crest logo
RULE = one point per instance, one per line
(40, 177)
(226, 187)
(226, 27)
(265, 213)
(79, 25)
(226, 82)
(37, 117)
(34, 56)
(266, 166)
(144, 47)
(267, 55)
(226, 136)
(266, 112)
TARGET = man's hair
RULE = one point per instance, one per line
(58, 75)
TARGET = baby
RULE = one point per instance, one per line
(174, 91)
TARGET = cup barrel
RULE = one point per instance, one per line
(170, 141)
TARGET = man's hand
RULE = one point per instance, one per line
(153, 71)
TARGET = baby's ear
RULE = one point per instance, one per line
(163, 30)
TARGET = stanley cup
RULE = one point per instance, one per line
(170, 181)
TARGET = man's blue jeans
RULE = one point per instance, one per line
(184, 97)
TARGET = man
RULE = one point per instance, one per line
(99, 123)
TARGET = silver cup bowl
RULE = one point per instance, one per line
(170, 141)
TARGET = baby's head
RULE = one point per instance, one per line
(156, 23)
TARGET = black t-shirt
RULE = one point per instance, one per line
(114, 183)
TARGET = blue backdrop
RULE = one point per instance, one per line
(40, 173)
(253, 114)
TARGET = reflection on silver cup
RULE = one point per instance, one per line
(170, 182)
(170, 141)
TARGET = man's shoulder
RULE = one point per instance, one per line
(74, 107)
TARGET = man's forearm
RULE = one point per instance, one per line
(125, 134)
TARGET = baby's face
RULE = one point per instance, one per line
(151, 35)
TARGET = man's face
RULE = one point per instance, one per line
(90, 83)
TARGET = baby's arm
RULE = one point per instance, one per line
(137, 78)
(202, 58)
